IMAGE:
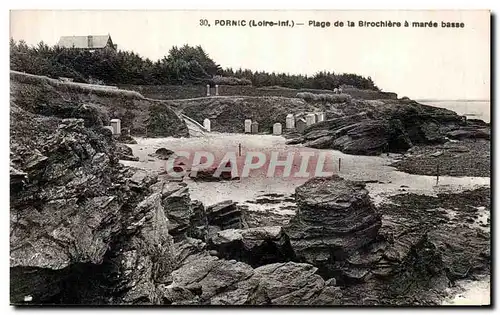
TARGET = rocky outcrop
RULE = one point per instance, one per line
(469, 133)
(125, 152)
(406, 252)
(224, 215)
(258, 218)
(208, 280)
(356, 134)
(387, 126)
(335, 219)
(84, 228)
(254, 246)
(472, 155)
(177, 204)
(423, 246)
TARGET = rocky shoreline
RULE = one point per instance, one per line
(468, 157)
(363, 127)
(87, 230)
(160, 247)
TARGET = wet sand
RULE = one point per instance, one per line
(470, 292)
(384, 179)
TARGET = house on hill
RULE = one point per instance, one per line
(90, 42)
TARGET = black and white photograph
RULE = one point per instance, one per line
(204, 158)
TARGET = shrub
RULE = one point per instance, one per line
(230, 81)
(330, 98)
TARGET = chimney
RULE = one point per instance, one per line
(90, 42)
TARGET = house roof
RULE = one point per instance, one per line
(98, 41)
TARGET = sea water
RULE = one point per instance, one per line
(471, 109)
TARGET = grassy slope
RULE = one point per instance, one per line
(42, 95)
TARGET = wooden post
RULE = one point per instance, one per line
(339, 164)
(437, 174)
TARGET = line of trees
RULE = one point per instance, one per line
(321, 80)
(182, 65)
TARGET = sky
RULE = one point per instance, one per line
(421, 63)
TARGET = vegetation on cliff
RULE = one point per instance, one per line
(182, 65)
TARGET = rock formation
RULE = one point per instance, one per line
(254, 246)
(224, 215)
(202, 279)
(373, 127)
(84, 229)
(228, 114)
(125, 152)
(162, 153)
(410, 255)
(335, 219)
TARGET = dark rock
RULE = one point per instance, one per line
(463, 251)
(84, 228)
(389, 126)
(330, 282)
(17, 177)
(315, 134)
(163, 154)
(225, 215)
(199, 221)
(321, 143)
(125, 153)
(254, 246)
(460, 134)
(178, 208)
(48, 97)
(125, 137)
(358, 134)
(256, 218)
(335, 219)
(222, 282)
(188, 249)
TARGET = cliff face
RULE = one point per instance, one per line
(83, 228)
(49, 97)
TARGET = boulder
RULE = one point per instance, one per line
(177, 204)
(209, 280)
(162, 154)
(254, 246)
(225, 215)
(125, 153)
